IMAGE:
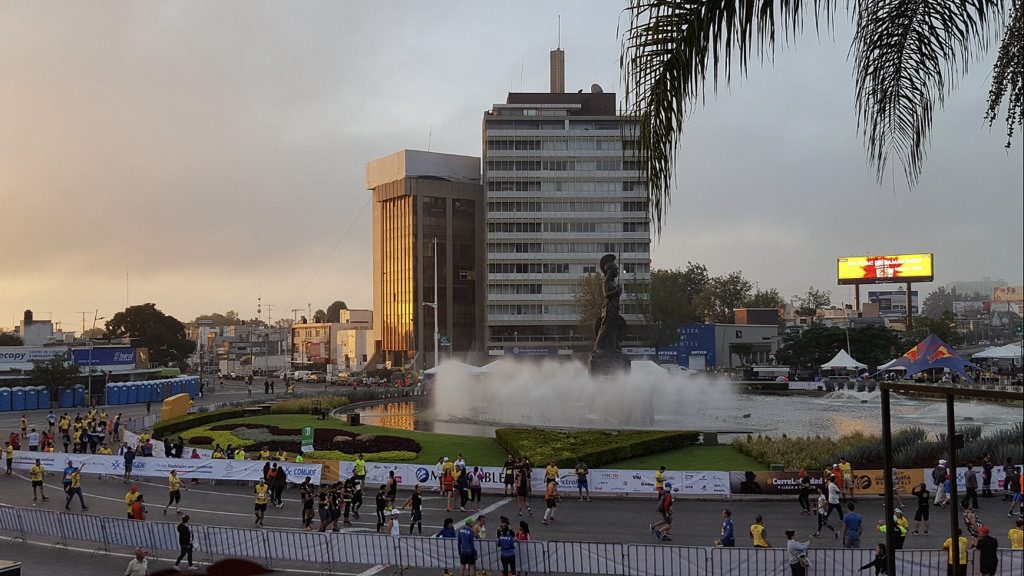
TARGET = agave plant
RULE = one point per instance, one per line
(907, 56)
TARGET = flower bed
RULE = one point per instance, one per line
(288, 439)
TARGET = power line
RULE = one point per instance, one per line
(331, 253)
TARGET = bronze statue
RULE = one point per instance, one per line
(610, 327)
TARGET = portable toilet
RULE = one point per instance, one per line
(18, 398)
(5, 399)
(133, 392)
(175, 386)
(45, 401)
(79, 395)
(111, 394)
(31, 398)
(66, 398)
(193, 387)
(140, 395)
(165, 389)
(122, 393)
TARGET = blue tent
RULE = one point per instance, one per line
(931, 353)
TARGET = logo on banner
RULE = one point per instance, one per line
(422, 474)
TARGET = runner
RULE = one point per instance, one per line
(33, 441)
(663, 528)
(75, 488)
(381, 502)
(130, 496)
(550, 501)
(758, 533)
(1018, 494)
(357, 497)
(921, 514)
(9, 457)
(415, 502)
(24, 426)
(1016, 535)
(509, 475)
(139, 509)
(174, 492)
(805, 491)
(551, 472)
(306, 493)
(359, 468)
(392, 485)
(523, 493)
(448, 488)
(467, 549)
(852, 524)
(334, 504)
(822, 512)
(728, 538)
(185, 541)
(846, 471)
(581, 480)
(659, 481)
(323, 508)
(262, 492)
(35, 475)
(506, 548)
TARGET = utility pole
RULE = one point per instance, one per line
(83, 321)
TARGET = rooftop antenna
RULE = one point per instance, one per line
(430, 136)
(559, 42)
(83, 319)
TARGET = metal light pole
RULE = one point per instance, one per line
(92, 343)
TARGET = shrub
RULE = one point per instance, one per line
(394, 456)
(595, 447)
(201, 440)
(305, 405)
(189, 421)
(288, 439)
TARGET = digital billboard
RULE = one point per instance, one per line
(892, 269)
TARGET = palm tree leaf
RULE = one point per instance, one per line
(1008, 75)
(908, 54)
(668, 48)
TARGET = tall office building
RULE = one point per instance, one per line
(419, 197)
(562, 189)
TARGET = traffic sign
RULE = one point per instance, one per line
(445, 340)
(307, 439)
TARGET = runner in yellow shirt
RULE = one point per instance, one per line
(174, 488)
(659, 481)
(75, 487)
(130, 497)
(758, 533)
(262, 492)
(846, 470)
(1016, 535)
(551, 472)
(105, 451)
(24, 426)
(35, 474)
(9, 457)
(359, 468)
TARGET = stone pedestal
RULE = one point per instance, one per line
(608, 363)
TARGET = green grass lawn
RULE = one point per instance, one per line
(693, 458)
(476, 450)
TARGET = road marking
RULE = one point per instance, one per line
(373, 570)
(487, 510)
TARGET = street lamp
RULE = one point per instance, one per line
(92, 343)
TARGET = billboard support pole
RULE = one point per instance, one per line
(856, 298)
(910, 316)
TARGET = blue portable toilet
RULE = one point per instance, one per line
(133, 392)
(5, 399)
(79, 395)
(18, 398)
(193, 387)
(122, 394)
(31, 398)
(111, 394)
(66, 398)
(144, 392)
(175, 386)
(45, 400)
(165, 389)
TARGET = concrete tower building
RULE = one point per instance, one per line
(417, 197)
(562, 188)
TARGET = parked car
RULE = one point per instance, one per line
(317, 377)
(301, 375)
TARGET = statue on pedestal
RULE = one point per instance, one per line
(610, 327)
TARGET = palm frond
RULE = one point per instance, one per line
(1008, 75)
(908, 54)
(668, 48)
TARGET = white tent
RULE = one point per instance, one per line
(888, 364)
(843, 360)
(454, 364)
(1008, 352)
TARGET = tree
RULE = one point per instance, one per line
(320, 317)
(808, 304)
(938, 302)
(944, 327)
(150, 328)
(671, 303)
(588, 299)
(871, 345)
(229, 318)
(907, 54)
(766, 299)
(10, 340)
(94, 334)
(55, 374)
(334, 310)
(722, 295)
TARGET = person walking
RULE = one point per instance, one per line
(129, 499)
(662, 529)
(758, 533)
(728, 535)
(834, 495)
(35, 476)
(506, 539)
(394, 529)
(1017, 490)
(821, 510)
(988, 552)
(797, 552)
(308, 500)
(278, 485)
(33, 441)
(939, 474)
(448, 488)
(129, 460)
(174, 492)
(508, 475)
(971, 488)
(852, 524)
(878, 562)
(986, 475)
(803, 498)
(9, 457)
(550, 501)
(1009, 478)
(523, 493)
(462, 487)
(581, 480)
(467, 549)
(921, 514)
(956, 566)
(185, 542)
(846, 471)
(381, 502)
(476, 480)
(74, 488)
(415, 502)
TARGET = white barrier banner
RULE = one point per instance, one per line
(998, 475)
(245, 470)
(599, 480)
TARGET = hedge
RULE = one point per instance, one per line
(189, 421)
(595, 447)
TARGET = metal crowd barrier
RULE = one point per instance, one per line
(328, 552)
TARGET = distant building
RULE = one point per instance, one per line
(420, 197)
(709, 346)
(354, 343)
(563, 189)
(892, 304)
(763, 316)
(35, 332)
(312, 346)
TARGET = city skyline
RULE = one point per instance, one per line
(215, 154)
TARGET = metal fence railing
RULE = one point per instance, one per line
(333, 551)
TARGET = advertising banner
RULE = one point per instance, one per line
(105, 356)
(763, 482)
(997, 478)
(161, 467)
(873, 481)
(888, 269)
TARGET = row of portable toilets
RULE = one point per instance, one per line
(151, 391)
(22, 398)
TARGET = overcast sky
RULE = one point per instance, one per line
(214, 151)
